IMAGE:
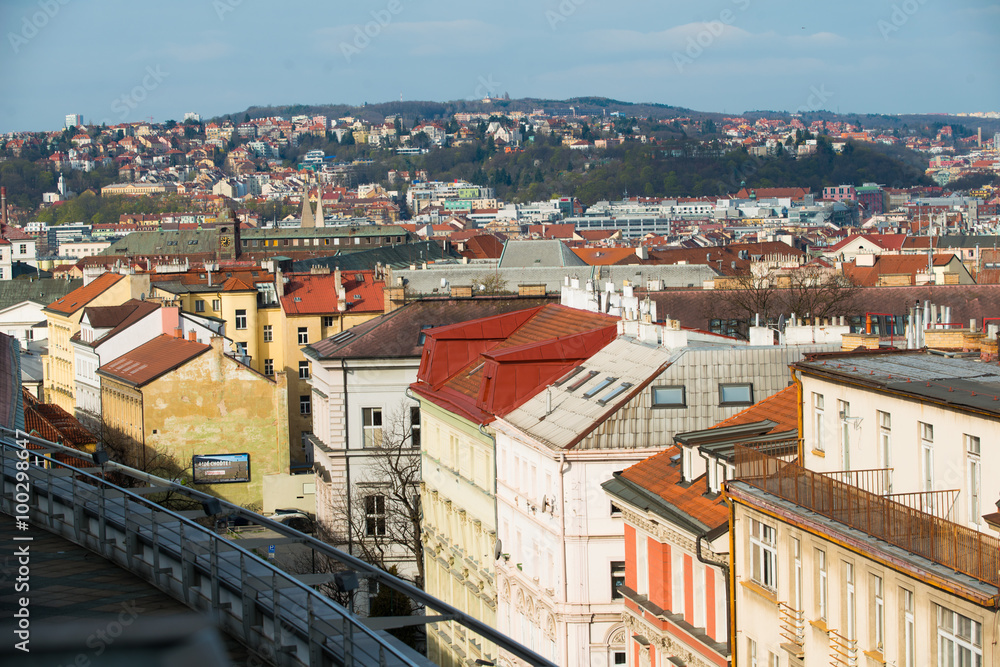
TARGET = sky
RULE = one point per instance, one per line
(128, 60)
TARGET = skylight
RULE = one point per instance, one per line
(582, 381)
(614, 393)
(599, 387)
(341, 337)
(569, 376)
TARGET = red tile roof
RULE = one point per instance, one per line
(659, 476)
(81, 296)
(153, 359)
(485, 368)
(605, 256)
(892, 265)
(309, 294)
(781, 408)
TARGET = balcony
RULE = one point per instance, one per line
(882, 517)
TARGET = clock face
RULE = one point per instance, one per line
(226, 241)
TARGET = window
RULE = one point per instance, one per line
(669, 397)
(959, 639)
(796, 574)
(199, 306)
(975, 478)
(642, 565)
(241, 319)
(617, 578)
(269, 367)
(885, 443)
(374, 516)
(736, 394)
(821, 582)
(268, 333)
(241, 349)
(878, 613)
(849, 600)
(371, 420)
(216, 305)
(909, 637)
(773, 660)
(763, 555)
(328, 320)
(303, 370)
(305, 404)
(600, 386)
(927, 463)
(751, 653)
(303, 335)
(23, 248)
(818, 422)
(621, 658)
(414, 427)
(844, 410)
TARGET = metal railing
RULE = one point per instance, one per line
(950, 544)
(843, 651)
(792, 627)
(936, 503)
(874, 480)
(274, 613)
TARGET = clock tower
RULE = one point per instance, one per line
(229, 235)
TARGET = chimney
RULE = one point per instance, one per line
(178, 332)
(3, 203)
(279, 282)
(193, 336)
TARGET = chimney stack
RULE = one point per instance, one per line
(3, 203)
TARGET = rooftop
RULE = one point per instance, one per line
(151, 360)
(81, 296)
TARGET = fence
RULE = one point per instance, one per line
(950, 544)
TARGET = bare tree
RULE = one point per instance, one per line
(491, 284)
(123, 448)
(817, 292)
(379, 520)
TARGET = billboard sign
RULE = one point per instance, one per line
(220, 468)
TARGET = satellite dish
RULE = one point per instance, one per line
(781, 323)
(498, 550)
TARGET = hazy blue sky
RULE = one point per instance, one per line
(125, 60)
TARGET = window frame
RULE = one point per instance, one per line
(819, 413)
(958, 642)
(240, 319)
(305, 405)
(303, 370)
(723, 386)
(372, 434)
(668, 406)
(268, 333)
(974, 471)
(763, 555)
(269, 367)
(303, 335)
(375, 515)
(617, 575)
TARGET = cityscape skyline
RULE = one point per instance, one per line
(731, 56)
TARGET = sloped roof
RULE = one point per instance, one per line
(573, 413)
(81, 296)
(53, 423)
(118, 318)
(307, 294)
(782, 408)
(884, 241)
(452, 371)
(606, 256)
(660, 476)
(151, 360)
(42, 292)
(892, 265)
(542, 253)
(400, 334)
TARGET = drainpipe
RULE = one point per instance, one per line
(564, 467)
(725, 575)
(731, 610)
(347, 464)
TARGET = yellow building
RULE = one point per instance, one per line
(181, 399)
(271, 317)
(63, 318)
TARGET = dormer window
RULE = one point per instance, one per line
(687, 464)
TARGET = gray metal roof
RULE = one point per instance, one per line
(43, 291)
(541, 253)
(428, 281)
(964, 381)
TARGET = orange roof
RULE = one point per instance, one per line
(308, 294)
(153, 359)
(81, 296)
(659, 476)
(892, 265)
(604, 256)
(781, 408)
